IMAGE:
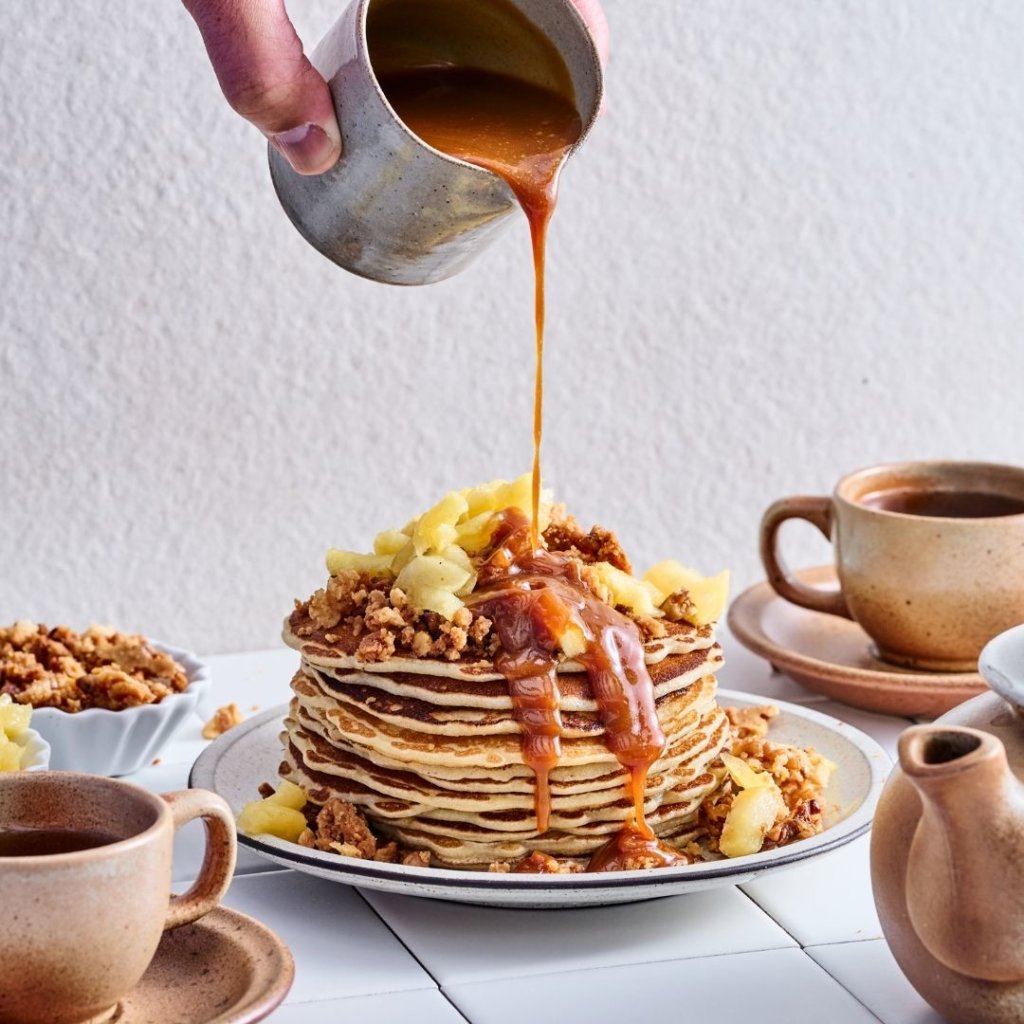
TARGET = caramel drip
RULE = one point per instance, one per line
(533, 596)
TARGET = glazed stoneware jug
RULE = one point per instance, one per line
(947, 850)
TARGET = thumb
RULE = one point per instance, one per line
(267, 78)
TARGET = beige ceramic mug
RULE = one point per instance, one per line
(78, 928)
(929, 555)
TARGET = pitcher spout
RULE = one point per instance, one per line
(965, 872)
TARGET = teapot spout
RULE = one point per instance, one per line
(965, 872)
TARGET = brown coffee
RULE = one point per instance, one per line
(35, 842)
(947, 504)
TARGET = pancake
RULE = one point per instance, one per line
(436, 761)
(482, 690)
(327, 769)
(674, 672)
(340, 653)
(678, 713)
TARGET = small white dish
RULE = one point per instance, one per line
(235, 764)
(102, 742)
(35, 751)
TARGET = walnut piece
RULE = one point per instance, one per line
(599, 545)
(225, 717)
(100, 668)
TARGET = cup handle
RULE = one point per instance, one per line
(219, 860)
(819, 512)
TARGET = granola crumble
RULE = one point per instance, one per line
(565, 534)
(374, 618)
(225, 717)
(369, 617)
(801, 774)
(99, 668)
(339, 827)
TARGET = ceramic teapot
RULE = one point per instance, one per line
(947, 850)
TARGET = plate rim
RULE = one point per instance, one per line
(750, 605)
(854, 825)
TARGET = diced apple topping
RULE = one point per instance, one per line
(684, 595)
(431, 557)
(755, 809)
(279, 814)
(433, 560)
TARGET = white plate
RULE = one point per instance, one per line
(249, 754)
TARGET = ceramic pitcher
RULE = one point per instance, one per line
(947, 850)
(393, 208)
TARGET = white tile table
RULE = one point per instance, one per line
(800, 947)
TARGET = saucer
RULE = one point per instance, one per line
(835, 657)
(225, 969)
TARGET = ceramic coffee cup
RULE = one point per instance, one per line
(78, 929)
(394, 209)
(929, 555)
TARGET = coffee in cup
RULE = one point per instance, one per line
(929, 555)
(85, 873)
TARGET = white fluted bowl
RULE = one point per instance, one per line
(102, 742)
(35, 751)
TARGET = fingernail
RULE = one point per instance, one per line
(310, 149)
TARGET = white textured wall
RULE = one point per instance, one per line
(794, 246)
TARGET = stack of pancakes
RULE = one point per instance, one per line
(430, 752)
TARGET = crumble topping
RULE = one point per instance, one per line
(801, 774)
(100, 668)
(565, 535)
(373, 619)
(225, 717)
(368, 616)
(341, 828)
(538, 863)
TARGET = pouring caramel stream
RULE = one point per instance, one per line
(523, 133)
(519, 131)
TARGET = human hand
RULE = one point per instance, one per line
(267, 78)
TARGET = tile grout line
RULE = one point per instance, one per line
(848, 991)
(630, 966)
(438, 987)
(365, 995)
(770, 916)
(803, 949)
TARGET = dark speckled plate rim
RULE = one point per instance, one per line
(354, 871)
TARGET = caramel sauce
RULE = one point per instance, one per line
(523, 131)
(519, 131)
(533, 596)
